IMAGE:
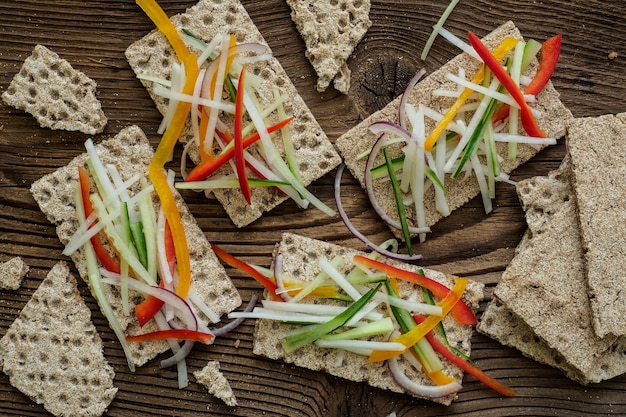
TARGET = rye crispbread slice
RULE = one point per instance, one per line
(12, 272)
(131, 152)
(597, 149)
(53, 353)
(300, 260)
(460, 190)
(315, 153)
(214, 380)
(331, 30)
(57, 95)
(543, 292)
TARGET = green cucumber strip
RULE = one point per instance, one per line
(426, 354)
(399, 203)
(139, 242)
(148, 220)
(374, 328)
(530, 52)
(294, 342)
(381, 171)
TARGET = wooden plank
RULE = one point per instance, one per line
(93, 36)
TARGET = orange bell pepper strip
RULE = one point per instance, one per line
(418, 332)
(108, 262)
(461, 312)
(528, 120)
(442, 349)
(169, 139)
(240, 162)
(207, 168)
(269, 285)
(500, 52)
(180, 334)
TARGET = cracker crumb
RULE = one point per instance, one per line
(612, 55)
(214, 380)
(12, 272)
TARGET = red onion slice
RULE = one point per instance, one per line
(419, 390)
(344, 217)
(401, 108)
(178, 356)
(235, 323)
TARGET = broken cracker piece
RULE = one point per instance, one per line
(212, 378)
(331, 30)
(53, 353)
(57, 95)
(12, 272)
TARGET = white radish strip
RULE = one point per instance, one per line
(210, 51)
(103, 183)
(441, 203)
(194, 100)
(427, 391)
(365, 345)
(316, 309)
(164, 267)
(456, 41)
(367, 309)
(446, 93)
(181, 366)
(285, 134)
(338, 277)
(217, 92)
(476, 118)
(504, 137)
(126, 252)
(153, 79)
(405, 96)
(504, 98)
(456, 127)
(505, 178)
(278, 101)
(437, 28)
(484, 189)
(407, 167)
(411, 306)
(195, 299)
(516, 73)
(178, 81)
(195, 111)
(259, 313)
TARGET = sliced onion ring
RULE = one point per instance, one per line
(405, 95)
(419, 390)
(220, 331)
(369, 188)
(355, 232)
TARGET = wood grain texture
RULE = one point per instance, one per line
(93, 35)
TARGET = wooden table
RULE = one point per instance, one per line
(93, 35)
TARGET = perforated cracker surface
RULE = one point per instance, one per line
(57, 95)
(53, 353)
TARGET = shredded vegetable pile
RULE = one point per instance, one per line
(488, 108)
(232, 130)
(129, 244)
(353, 304)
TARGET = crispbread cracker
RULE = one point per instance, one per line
(331, 30)
(53, 353)
(12, 272)
(300, 255)
(131, 153)
(314, 151)
(597, 149)
(217, 384)
(57, 95)
(543, 291)
(460, 190)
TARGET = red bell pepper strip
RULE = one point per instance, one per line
(108, 262)
(207, 168)
(550, 51)
(269, 285)
(180, 334)
(461, 312)
(148, 308)
(240, 162)
(528, 120)
(442, 349)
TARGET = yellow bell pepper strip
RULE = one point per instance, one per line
(461, 312)
(169, 139)
(500, 52)
(207, 168)
(240, 162)
(528, 120)
(497, 386)
(180, 334)
(418, 332)
(269, 285)
(165, 26)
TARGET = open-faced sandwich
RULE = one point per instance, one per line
(365, 318)
(242, 109)
(452, 135)
(146, 261)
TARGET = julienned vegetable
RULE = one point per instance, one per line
(358, 322)
(463, 142)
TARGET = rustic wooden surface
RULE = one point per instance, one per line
(93, 36)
